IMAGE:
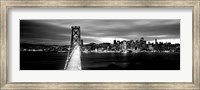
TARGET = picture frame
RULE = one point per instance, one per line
(4, 55)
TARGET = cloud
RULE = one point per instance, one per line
(99, 30)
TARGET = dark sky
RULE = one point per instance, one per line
(57, 32)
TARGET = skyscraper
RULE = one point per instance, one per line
(124, 45)
(156, 41)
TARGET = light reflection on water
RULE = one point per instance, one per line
(102, 61)
(132, 61)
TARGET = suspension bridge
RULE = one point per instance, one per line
(73, 61)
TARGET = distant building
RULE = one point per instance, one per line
(156, 42)
(138, 45)
(114, 42)
(124, 45)
(81, 43)
(150, 47)
(142, 39)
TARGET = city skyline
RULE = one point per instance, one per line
(58, 32)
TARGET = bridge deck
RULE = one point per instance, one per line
(75, 61)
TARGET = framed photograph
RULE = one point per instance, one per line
(103, 44)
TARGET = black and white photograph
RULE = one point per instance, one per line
(100, 44)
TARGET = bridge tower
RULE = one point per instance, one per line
(75, 36)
